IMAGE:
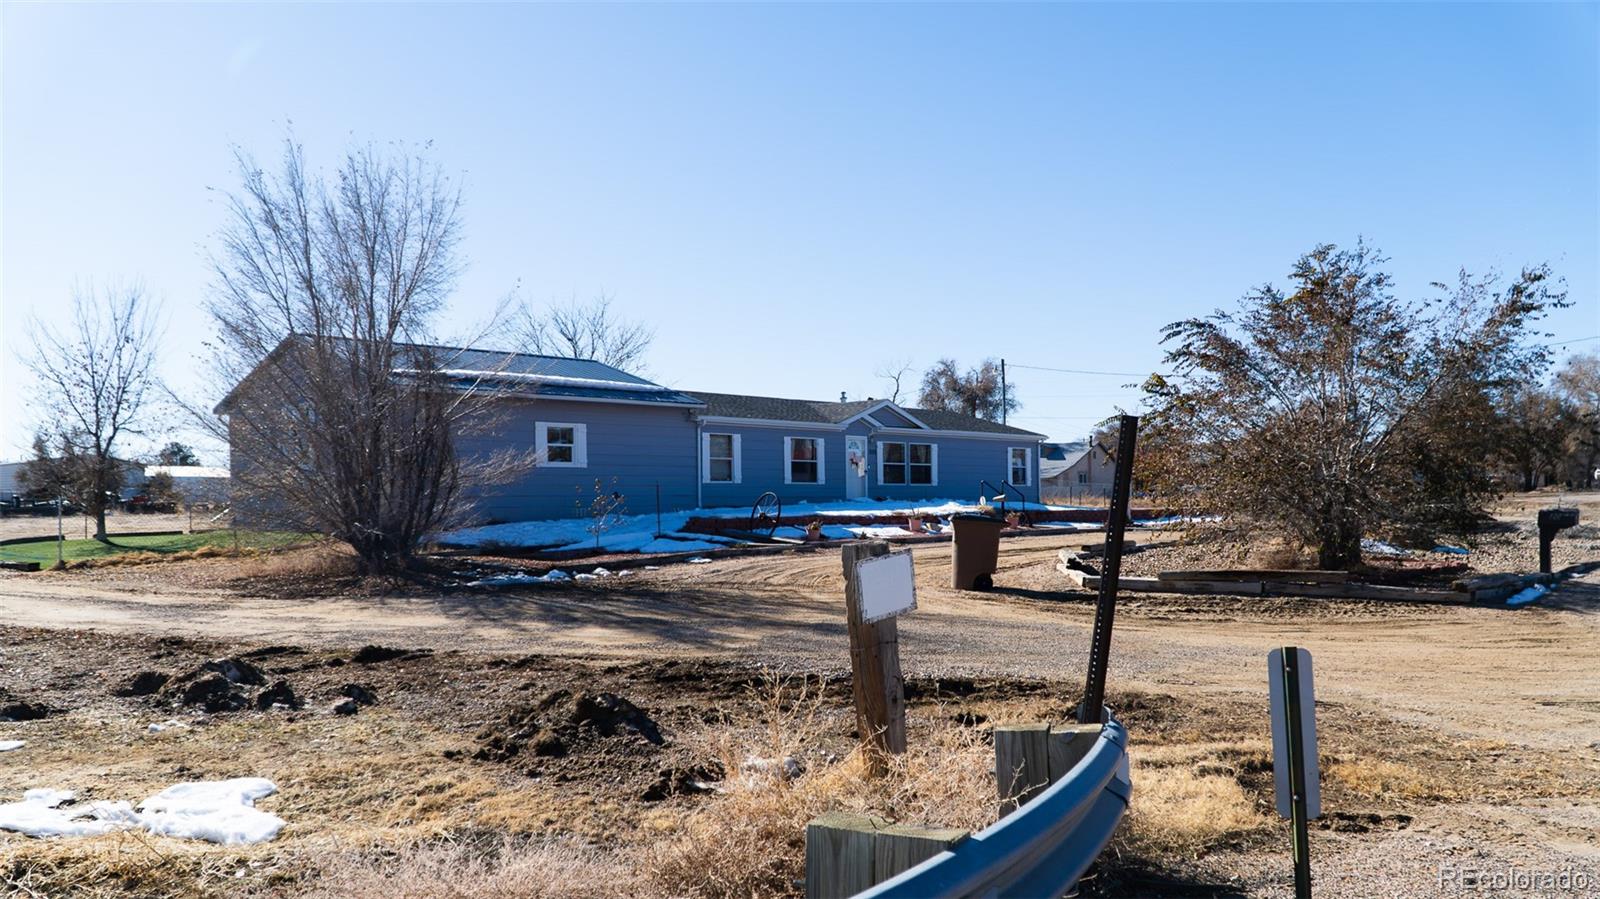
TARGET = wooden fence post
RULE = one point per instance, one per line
(879, 687)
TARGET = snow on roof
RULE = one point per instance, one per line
(186, 471)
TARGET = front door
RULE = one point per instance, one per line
(855, 467)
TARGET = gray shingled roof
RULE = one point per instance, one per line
(738, 405)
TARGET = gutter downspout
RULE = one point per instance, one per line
(699, 463)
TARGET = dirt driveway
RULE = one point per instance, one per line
(1464, 671)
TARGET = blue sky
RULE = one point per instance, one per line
(795, 195)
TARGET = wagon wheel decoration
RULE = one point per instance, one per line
(765, 513)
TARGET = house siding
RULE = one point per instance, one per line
(963, 463)
(631, 449)
(763, 464)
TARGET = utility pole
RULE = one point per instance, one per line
(60, 537)
(1003, 395)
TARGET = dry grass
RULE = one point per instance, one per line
(321, 560)
(1188, 796)
(553, 869)
(1377, 779)
(749, 840)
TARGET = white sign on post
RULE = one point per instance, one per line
(1305, 708)
(887, 586)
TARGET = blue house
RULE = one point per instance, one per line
(588, 422)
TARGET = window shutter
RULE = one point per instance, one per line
(822, 462)
(738, 459)
(580, 449)
(540, 447)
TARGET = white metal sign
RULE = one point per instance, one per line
(886, 585)
(1283, 711)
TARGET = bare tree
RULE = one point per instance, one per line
(975, 392)
(1335, 410)
(584, 331)
(895, 373)
(1578, 385)
(344, 420)
(95, 378)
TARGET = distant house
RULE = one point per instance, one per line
(11, 480)
(197, 484)
(1074, 471)
(10, 486)
(590, 422)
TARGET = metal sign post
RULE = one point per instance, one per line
(1094, 689)
(1294, 753)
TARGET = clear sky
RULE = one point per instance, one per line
(794, 195)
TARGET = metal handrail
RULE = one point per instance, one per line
(1043, 847)
(1001, 491)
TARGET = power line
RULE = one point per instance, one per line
(1562, 343)
(1079, 371)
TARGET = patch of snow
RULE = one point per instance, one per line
(700, 543)
(698, 560)
(1382, 548)
(877, 530)
(9, 745)
(216, 811)
(637, 533)
(37, 815)
(1074, 525)
(1452, 550)
(1528, 595)
(512, 578)
(169, 724)
(1168, 520)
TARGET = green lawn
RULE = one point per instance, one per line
(44, 551)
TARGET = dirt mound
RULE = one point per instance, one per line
(144, 683)
(562, 723)
(215, 685)
(14, 709)
(372, 655)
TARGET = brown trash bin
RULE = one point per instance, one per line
(976, 553)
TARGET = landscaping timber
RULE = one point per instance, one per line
(1328, 587)
(1286, 575)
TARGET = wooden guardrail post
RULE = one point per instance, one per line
(1021, 763)
(1030, 757)
(839, 854)
(847, 852)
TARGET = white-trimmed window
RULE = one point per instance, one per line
(803, 461)
(908, 463)
(721, 459)
(1021, 466)
(561, 444)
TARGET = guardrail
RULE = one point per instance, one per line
(1043, 847)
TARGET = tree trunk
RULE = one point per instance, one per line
(1340, 547)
